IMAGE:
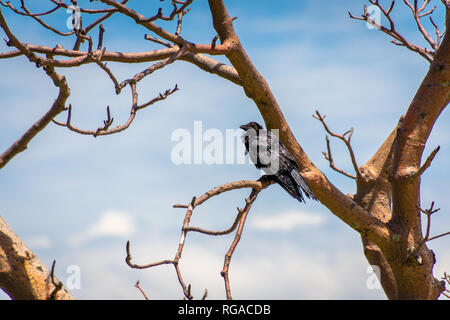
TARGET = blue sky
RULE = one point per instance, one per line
(78, 200)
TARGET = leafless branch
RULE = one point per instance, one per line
(214, 41)
(138, 285)
(159, 41)
(438, 32)
(346, 138)
(399, 39)
(36, 16)
(226, 265)
(100, 37)
(58, 106)
(175, 12)
(134, 106)
(79, 58)
(171, 37)
(427, 163)
(428, 213)
(417, 14)
(159, 65)
(175, 261)
(446, 278)
(58, 285)
(256, 187)
(107, 70)
(105, 130)
(328, 156)
(9, 5)
(181, 14)
(219, 233)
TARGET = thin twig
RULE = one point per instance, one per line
(427, 163)
(58, 106)
(159, 41)
(429, 212)
(57, 285)
(226, 265)
(328, 156)
(220, 233)
(105, 130)
(138, 285)
(256, 187)
(446, 278)
(417, 15)
(399, 39)
(100, 37)
(346, 138)
(214, 41)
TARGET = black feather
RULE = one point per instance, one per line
(258, 143)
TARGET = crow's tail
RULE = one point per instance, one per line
(302, 184)
(290, 185)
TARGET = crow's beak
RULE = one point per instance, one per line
(244, 127)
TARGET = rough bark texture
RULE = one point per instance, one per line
(22, 274)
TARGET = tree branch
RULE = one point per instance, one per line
(256, 187)
(399, 39)
(226, 265)
(103, 131)
(58, 106)
(138, 285)
(446, 278)
(147, 23)
(427, 163)
(428, 213)
(346, 140)
(430, 100)
(22, 275)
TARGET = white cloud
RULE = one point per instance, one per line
(110, 224)
(113, 223)
(38, 242)
(287, 272)
(287, 221)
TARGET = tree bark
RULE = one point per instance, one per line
(22, 275)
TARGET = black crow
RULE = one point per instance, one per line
(270, 155)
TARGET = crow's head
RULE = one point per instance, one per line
(251, 125)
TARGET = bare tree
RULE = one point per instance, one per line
(385, 210)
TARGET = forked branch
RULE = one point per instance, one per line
(429, 212)
(418, 13)
(346, 138)
(106, 130)
(446, 278)
(239, 222)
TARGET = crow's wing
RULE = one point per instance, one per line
(251, 142)
(258, 148)
(289, 165)
(285, 173)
